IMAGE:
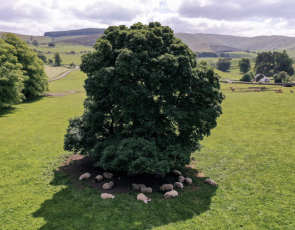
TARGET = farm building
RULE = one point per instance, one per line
(264, 79)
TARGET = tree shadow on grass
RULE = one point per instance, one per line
(74, 207)
(11, 109)
(6, 111)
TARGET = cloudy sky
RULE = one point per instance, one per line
(230, 17)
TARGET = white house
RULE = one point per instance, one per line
(264, 79)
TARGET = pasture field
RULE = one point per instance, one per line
(250, 154)
(55, 71)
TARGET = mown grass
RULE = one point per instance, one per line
(250, 155)
(54, 71)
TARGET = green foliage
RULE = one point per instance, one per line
(74, 32)
(147, 106)
(224, 55)
(244, 65)
(35, 43)
(51, 44)
(207, 54)
(57, 59)
(275, 61)
(50, 61)
(223, 64)
(42, 57)
(247, 77)
(259, 77)
(32, 66)
(11, 76)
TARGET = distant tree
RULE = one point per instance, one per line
(72, 52)
(33, 68)
(28, 42)
(244, 65)
(51, 45)
(11, 76)
(50, 61)
(247, 77)
(57, 59)
(223, 64)
(277, 79)
(53, 39)
(73, 65)
(148, 102)
(274, 61)
(224, 55)
(42, 57)
(31, 38)
(35, 43)
(207, 54)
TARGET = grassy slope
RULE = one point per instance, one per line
(54, 71)
(250, 154)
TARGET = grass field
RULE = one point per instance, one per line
(250, 154)
(55, 71)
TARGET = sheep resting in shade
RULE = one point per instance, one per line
(138, 186)
(176, 173)
(98, 178)
(159, 175)
(108, 185)
(166, 187)
(107, 196)
(211, 182)
(108, 175)
(146, 190)
(170, 194)
(188, 180)
(181, 179)
(85, 176)
(178, 185)
(143, 198)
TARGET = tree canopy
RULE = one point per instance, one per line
(33, 68)
(11, 76)
(247, 77)
(269, 63)
(244, 65)
(223, 64)
(57, 59)
(147, 105)
(51, 44)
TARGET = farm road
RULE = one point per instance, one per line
(63, 75)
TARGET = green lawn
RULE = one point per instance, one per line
(250, 154)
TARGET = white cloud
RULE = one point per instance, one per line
(235, 17)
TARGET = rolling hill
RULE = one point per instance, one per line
(197, 42)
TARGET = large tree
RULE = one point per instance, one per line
(244, 65)
(11, 76)
(32, 66)
(269, 63)
(148, 104)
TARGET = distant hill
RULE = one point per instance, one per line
(88, 40)
(197, 42)
(223, 43)
(87, 31)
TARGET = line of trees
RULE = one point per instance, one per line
(270, 63)
(22, 73)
